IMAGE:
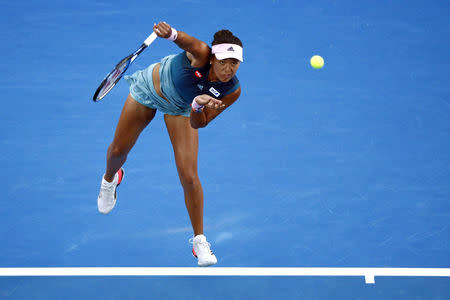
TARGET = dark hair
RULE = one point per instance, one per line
(225, 36)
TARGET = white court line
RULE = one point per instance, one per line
(368, 273)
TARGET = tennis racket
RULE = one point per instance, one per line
(115, 75)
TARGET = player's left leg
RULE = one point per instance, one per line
(185, 146)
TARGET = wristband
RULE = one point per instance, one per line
(196, 107)
(173, 35)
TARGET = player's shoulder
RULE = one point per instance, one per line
(199, 58)
(233, 93)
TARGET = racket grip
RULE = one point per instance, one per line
(150, 38)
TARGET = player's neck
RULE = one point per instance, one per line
(212, 77)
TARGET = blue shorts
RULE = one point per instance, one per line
(143, 91)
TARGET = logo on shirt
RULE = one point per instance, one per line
(214, 92)
(200, 86)
(198, 74)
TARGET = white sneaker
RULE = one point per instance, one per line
(108, 196)
(201, 250)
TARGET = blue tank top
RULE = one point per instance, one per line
(190, 82)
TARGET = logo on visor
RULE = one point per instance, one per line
(198, 74)
(230, 49)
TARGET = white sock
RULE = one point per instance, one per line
(106, 182)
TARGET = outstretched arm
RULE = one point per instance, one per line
(212, 108)
(198, 52)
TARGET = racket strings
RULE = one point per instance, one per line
(113, 77)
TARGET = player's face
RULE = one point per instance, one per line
(223, 70)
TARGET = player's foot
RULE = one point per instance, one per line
(108, 196)
(201, 250)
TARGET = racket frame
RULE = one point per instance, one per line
(129, 59)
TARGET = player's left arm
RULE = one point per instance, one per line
(214, 108)
(197, 51)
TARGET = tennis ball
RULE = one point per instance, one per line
(317, 62)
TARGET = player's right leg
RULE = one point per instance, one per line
(133, 119)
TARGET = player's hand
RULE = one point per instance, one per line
(162, 29)
(209, 102)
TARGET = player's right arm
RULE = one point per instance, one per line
(198, 52)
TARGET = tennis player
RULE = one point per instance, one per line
(191, 89)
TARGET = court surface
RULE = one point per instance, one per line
(347, 166)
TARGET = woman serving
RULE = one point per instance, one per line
(191, 89)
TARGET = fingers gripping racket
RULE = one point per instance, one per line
(115, 75)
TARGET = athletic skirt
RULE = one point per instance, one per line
(143, 91)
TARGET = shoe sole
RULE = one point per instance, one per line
(195, 255)
(121, 177)
(119, 181)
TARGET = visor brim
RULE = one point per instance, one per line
(221, 56)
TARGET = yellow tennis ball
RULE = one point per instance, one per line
(317, 62)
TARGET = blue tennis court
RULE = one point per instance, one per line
(346, 166)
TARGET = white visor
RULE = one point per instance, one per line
(224, 51)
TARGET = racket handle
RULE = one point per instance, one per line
(150, 38)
